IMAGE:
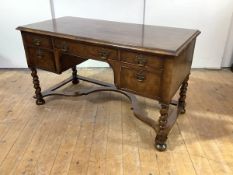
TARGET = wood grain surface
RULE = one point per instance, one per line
(155, 39)
(98, 134)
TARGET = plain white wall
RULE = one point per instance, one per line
(228, 53)
(212, 17)
(12, 14)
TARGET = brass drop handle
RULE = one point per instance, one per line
(64, 47)
(140, 76)
(36, 42)
(140, 60)
(39, 54)
(104, 54)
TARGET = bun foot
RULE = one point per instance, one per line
(182, 111)
(40, 102)
(75, 81)
(161, 147)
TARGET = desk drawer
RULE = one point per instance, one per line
(37, 40)
(141, 59)
(85, 50)
(42, 59)
(140, 82)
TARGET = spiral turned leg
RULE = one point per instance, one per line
(36, 82)
(160, 140)
(183, 91)
(74, 74)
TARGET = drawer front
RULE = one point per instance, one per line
(85, 50)
(141, 60)
(140, 82)
(37, 40)
(42, 59)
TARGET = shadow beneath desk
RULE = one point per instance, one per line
(208, 117)
(198, 120)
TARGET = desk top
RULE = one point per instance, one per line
(153, 39)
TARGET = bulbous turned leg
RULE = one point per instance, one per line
(36, 82)
(74, 74)
(183, 91)
(161, 137)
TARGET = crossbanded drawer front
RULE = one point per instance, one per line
(140, 81)
(85, 50)
(37, 40)
(141, 60)
(42, 59)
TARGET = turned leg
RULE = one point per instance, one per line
(74, 74)
(36, 82)
(183, 91)
(161, 137)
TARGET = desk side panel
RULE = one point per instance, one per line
(166, 79)
(182, 66)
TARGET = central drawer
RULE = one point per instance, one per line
(85, 50)
(140, 81)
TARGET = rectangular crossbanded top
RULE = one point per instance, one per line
(153, 39)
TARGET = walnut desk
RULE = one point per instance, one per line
(149, 61)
